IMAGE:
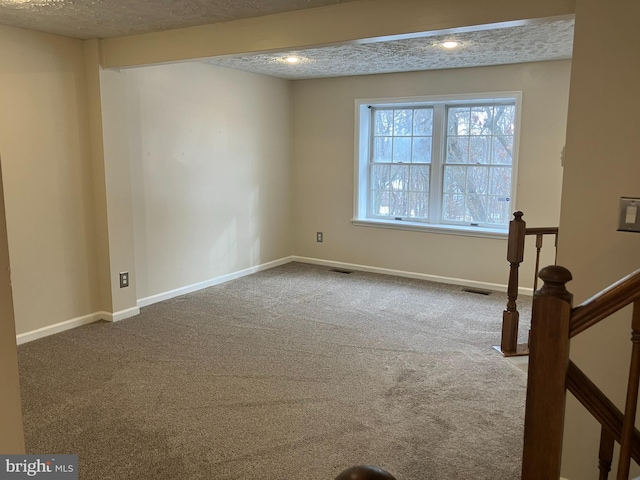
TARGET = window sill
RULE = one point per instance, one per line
(434, 228)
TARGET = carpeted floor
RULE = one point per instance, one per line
(294, 373)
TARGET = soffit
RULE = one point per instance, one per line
(540, 41)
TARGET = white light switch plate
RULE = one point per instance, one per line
(629, 220)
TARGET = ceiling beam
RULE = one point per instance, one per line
(343, 23)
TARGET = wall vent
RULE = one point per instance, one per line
(477, 291)
(338, 270)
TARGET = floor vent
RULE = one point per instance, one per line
(337, 270)
(477, 291)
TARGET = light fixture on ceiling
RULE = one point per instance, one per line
(450, 44)
(290, 59)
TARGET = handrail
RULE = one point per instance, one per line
(551, 374)
(541, 231)
(598, 405)
(603, 304)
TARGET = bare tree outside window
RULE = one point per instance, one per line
(400, 166)
(447, 162)
(477, 171)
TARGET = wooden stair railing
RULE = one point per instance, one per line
(551, 373)
(515, 255)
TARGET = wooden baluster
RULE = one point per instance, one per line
(632, 397)
(548, 362)
(605, 455)
(535, 272)
(515, 255)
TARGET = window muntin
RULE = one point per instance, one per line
(477, 177)
(399, 163)
(449, 162)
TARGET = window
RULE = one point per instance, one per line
(438, 163)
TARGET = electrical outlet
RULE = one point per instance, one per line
(319, 237)
(124, 279)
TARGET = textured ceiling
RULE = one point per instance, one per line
(114, 18)
(537, 41)
(551, 40)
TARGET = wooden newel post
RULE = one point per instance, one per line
(515, 255)
(546, 384)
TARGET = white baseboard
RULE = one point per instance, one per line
(133, 311)
(421, 276)
(160, 297)
(143, 302)
(57, 328)
(75, 322)
(121, 315)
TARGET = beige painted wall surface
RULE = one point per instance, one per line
(117, 182)
(92, 69)
(210, 153)
(11, 432)
(44, 148)
(602, 164)
(323, 175)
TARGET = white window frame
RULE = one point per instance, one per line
(362, 154)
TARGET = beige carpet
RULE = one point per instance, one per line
(293, 373)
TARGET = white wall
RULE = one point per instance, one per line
(323, 173)
(602, 165)
(47, 176)
(210, 159)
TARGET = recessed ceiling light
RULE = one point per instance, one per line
(450, 44)
(292, 59)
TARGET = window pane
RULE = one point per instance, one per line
(400, 177)
(380, 177)
(403, 122)
(383, 122)
(501, 181)
(481, 120)
(476, 155)
(457, 149)
(478, 180)
(454, 179)
(380, 203)
(422, 149)
(498, 210)
(402, 149)
(423, 121)
(418, 206)
(419, 178)
(476, 209)
(453, 207)
(479, 149)
(382, 149)
(505, 120)
(503, 150)
(398, 204)
(458, 121)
